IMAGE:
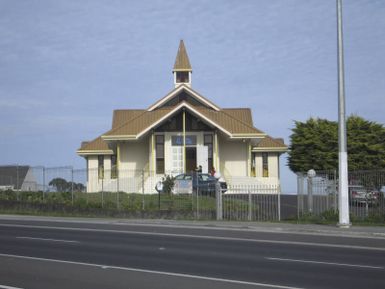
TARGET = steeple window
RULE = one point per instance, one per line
(182, 77)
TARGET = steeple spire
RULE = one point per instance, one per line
(182, 68)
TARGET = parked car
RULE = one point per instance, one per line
(360, 195)
(203, 183)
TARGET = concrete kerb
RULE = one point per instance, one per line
(306, 229)
(377, 232)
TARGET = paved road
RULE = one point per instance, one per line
(43, 253)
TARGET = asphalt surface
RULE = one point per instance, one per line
(107, 253)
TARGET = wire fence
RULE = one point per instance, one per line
(133, 193)
(318, 195)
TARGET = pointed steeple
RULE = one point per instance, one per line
(182, 68)
(182, 63)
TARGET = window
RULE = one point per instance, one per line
(114, 167)
(253, 170)
(182, 76)
(177, 140)
(265, 165)
(177, 159)
(100, 167)
(208, 141)
(159, 152)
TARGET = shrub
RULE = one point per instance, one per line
(168, 184)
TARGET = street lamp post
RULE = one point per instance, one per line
(343, 199)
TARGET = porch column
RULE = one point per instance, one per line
(249, 158)
(184, 140)
(216, 157)
(118, 161)
(107, 167)
(153, 160)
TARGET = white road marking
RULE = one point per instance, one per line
(201, 237)
(45, 239)
(324, 263)
(8, 287)
(265, 285)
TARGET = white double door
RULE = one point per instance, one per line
(197, 155)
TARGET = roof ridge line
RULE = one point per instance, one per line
(189, 90)
(204, 97)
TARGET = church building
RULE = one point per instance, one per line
(176, 134)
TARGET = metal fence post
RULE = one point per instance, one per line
(102, 193)
(249, 211)
(279, 202)
(143, 205)
(310, 195)
(335, 191)
(43, 183)
(117, 200)
(197, 192)
(17, 178)
(72, 185)
(218, 193)
(117, 188)
(299, 195)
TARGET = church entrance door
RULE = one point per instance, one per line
(191, 159)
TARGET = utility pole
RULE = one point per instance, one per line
(343, 197)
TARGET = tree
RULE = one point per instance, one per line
(61, 185)
(314, 145)
(76, 187)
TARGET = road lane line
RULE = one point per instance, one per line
(8, 287)
(45, 239)
(283, 242)
(172, 274)
(324, 263)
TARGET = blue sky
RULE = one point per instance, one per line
(66, 65)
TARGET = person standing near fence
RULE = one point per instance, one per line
(212, 172)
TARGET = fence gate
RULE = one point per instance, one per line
(251, 203)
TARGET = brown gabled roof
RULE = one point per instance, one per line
(147, 119)
(242, 114)
(173, 93)
(122, 116)
(182, 63)
(131, 123)
(97, 144)
(139, 123)
(229, 122)
(269, 143)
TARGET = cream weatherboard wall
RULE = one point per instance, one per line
(273, 161)
(233, 157)
(134, 155)
(92, 177)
